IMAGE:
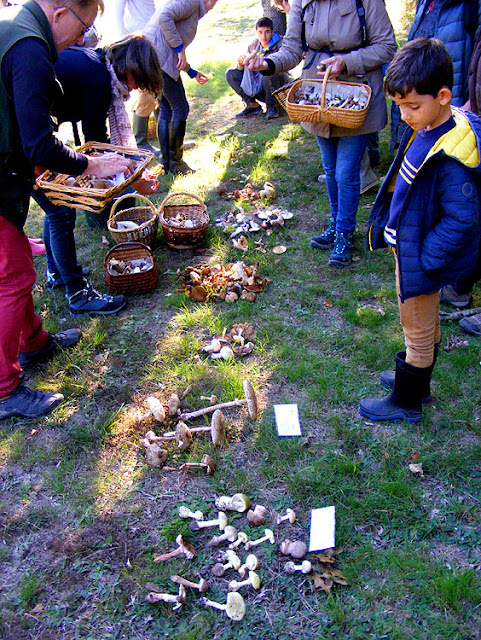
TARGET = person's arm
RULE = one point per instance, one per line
(165, 18)
(118, 19)
(458, 219)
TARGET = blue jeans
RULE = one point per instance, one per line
(341, 159)
(173, 103)
(58, 235)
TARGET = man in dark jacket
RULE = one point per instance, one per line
(30, 37)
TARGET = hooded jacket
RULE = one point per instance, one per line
(438, 230)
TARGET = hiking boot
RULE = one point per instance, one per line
(27, 403)
(341, 255)
(54, 281)
(471, 325)
(249, 111)
(56, 342)
(88, 300)
(271, 113)
(450, 295)
(326, 239)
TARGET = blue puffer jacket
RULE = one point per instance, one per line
(439, 227)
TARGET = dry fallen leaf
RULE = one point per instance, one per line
(415, 457)
(328, 304)
(280, 248)
(416, 469)
(325, 585)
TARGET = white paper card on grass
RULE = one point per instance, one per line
(287, 420)
(323, 529)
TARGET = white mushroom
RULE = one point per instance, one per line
(296, 549)
(257, 516)
(182, 435)
(156, 408)
(253, 580)
(183, 548)
(230, 534)
(238, 502)
(211, 399)
(217, 428)
(185, 512)
(268, 536)
(221, 522)
(233, 562)
(305, 567)
(213, 347)
(290, 515)
(208, 463)
(173, 405)
(234, 607)
(242, 538)
(155, 456)
(226, 352)
(250, 564)
(250, 399)
(202, 586)
(178, 599)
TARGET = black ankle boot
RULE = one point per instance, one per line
(404, 403)
(163, 132)
(177, 134)
(140, 128)
(387, 376)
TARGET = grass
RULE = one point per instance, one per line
(82, 515)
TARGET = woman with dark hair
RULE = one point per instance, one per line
(95, 85)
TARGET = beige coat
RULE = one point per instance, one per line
(333, 27)
(174, 23)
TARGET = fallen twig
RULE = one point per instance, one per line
(457, 315)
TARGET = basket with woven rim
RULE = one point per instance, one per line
(131, 282)
(181, 237)
(145, 216)
(347, 118)
(281, 94)
(80, 195)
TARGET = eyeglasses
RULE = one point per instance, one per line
(85, 26)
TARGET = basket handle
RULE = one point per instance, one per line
(130, 195)
(180, 193)
(132, 243)
(324, 85)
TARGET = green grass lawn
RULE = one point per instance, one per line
(81, 513)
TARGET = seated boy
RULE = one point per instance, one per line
(267, 42)
(427, 210)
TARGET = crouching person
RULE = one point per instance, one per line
(428, 211)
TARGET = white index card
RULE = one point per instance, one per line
(323, 529)
(287, 420)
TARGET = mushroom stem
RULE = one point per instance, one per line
(202, 586)
(214, 605)
(185, 512)
(230, 534)
(241, 538)
(183, 547)
(290, 515)
(250, 400)
(253, 580)
(221, 521)
(268, 535)
(178, 599)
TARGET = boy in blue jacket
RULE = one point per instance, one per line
(428, 212)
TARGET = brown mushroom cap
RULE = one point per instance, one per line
(296, 549)
(173, 405)
(210, 463)
(218, 570)
(155, 456)
(187, 549)
(251, 398)
(217, 425)
(256, 516)
(183, 436)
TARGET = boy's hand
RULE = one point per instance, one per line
(201, 78)
(337, 64)
(240, 60)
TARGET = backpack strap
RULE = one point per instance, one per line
(362, 19)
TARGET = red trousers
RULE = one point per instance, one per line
(20, 328)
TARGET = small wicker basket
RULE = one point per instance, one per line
(281, 94)
(145, 216)
(131, 282)
(347, 118)
(176, 234)
(80, 194)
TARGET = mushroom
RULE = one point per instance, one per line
(225, 353)
(253, 580)
(156, 408)
(256, 516)
(178, 600)
(230, 534)
(221, 521)
(250, 399)
(202, 586)
(305, 567)
(155, 456)
(213, 347)
(207, 463)
(184, 548)
(217, 428)
(181, 435)
(211, 399)
(185, 512)
(233, 562)
(234, 607)
(238, 502)
(241, 538)
(250, 564)
(268, 535)
(296, 549)
(290, 515)
(173, 405)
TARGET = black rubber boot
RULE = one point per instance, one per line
(387, 376)
(177, 135)
(140, 127)
(163, 131)
(404, 403)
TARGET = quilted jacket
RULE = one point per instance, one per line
(439, 227)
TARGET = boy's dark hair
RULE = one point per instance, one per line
(422, 64)
(136, 55)
(265, 22)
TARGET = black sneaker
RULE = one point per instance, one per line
(271, 113)
(341, 254)
(55, 343)
(326, 239)
(27, 403)
(54, 281)
(88, 300)
(249, 111)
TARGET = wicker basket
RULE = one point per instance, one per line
(145, 216)
(130, 282)
(89, 198)
(281, 94)
(181, 237)
(347, 118)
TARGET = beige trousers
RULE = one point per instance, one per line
(143, 104)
